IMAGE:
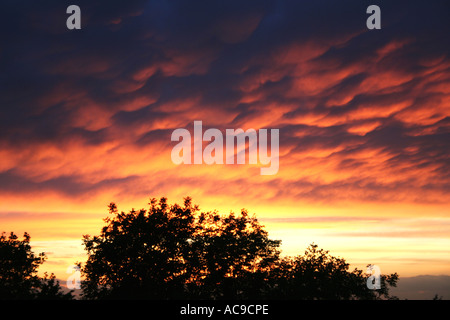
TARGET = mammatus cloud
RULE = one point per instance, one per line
(362, 116)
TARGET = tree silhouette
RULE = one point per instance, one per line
(18, 272)
(230, 257)
(178, 252)
(174, 252)
(139, 254)
(318, 275)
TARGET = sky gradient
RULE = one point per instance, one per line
(86, 118)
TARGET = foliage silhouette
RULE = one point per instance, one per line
(18, 272)
(174, 252)
(319, 276)
(178, 252)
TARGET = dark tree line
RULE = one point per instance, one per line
(18, 272)
(177, 252)
(173, 251)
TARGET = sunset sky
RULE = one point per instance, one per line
(86, 118)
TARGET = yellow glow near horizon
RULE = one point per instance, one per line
(398, 237)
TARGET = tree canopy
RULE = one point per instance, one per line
(177, 252)
(18, 272)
